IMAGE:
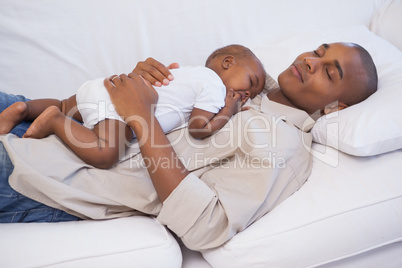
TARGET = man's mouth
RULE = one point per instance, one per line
(297, 72)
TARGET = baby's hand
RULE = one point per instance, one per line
(233, 101)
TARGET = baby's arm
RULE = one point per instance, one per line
(203, 123)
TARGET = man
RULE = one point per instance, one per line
(204, 191)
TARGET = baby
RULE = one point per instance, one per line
(204, 97)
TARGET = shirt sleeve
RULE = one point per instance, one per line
(211, 98)
(193, 212)
(191, 194)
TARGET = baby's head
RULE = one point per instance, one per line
(239, 70)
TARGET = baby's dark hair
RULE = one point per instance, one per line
(238, 51)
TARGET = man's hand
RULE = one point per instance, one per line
(155, 72)
(134, 97)
(131, 95)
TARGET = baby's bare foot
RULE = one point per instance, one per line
(12, 116)
(43, 124)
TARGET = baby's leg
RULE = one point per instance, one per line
(49, 115)
(101, 147)
(45, 123)
(12, 116)
(68, 107)
(20, 111)
(30, 110)
(36, 107)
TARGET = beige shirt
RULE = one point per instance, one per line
(239, 174)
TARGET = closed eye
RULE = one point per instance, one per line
(315, 52)
(328, 74)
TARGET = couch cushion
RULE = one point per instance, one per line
(126, 242)
(351, 212)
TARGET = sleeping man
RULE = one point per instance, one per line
(207, 190)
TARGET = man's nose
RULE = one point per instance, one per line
(312, 63)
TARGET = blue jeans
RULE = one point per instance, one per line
(15, 207)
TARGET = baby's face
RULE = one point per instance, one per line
(247, 78)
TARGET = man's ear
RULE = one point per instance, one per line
(333, 107)
(228, 61)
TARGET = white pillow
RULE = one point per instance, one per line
(368, 128)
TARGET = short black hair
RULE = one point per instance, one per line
(238, 51)
(371, 84)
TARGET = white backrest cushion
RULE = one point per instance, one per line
(388, 21)
(49, 48)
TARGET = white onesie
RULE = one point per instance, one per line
(192, 87)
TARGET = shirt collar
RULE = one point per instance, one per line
(298, 118)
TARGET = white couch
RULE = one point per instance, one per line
(349, 212)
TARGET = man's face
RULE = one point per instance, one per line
(332, 72)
